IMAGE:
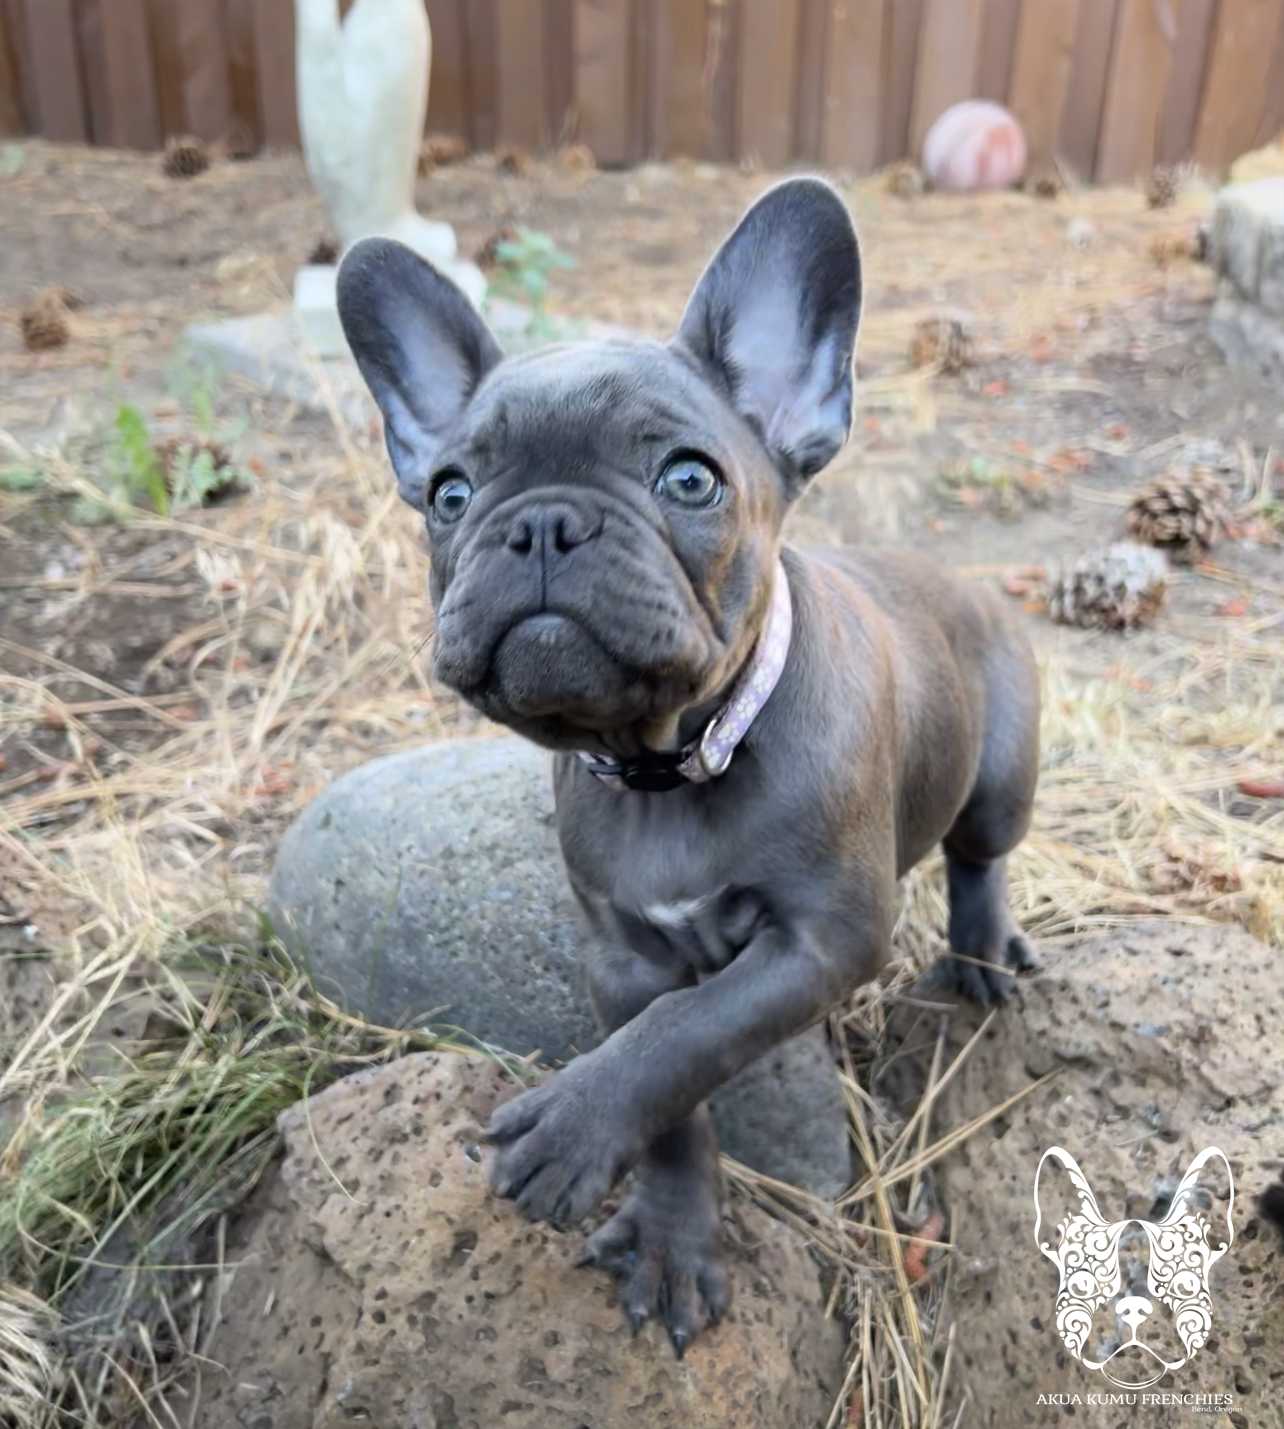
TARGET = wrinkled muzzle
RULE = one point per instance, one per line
(561, 605)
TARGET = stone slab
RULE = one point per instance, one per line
(1248, 241)
(273, 350)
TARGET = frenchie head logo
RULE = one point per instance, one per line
(1133, 1299)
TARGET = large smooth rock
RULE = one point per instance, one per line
(1247, 252)
(1163, 1040)
(429, 886)
(377, 1281)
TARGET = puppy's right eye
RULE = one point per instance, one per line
(690, 481)
(451, 495)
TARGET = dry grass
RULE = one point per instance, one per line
(300, 658)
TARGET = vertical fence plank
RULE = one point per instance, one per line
(1089, 70)
(1139, 68)
(519, 74)
(12, 118)
(277, 92)
(900, 62)
(1185, 80)
(767, 54)
(1041, 72)
(93, 69)
(947, 61)
(448, 82)
(242, 71)
(1271, 125)
(679, 90)
(642, 62)
(481, 27)
(810, 65)
(852, 84)
(603, 78)
(55, 70)
(203, 66)
(559, 73)
(15, 14)
(131, 76)
(1239, 70)
(721, 56)
(998, 49)
(162, 17)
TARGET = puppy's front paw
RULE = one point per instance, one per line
(560, 1148)
(990, 980)
(665, 1253)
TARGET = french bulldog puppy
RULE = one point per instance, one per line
(752, 743)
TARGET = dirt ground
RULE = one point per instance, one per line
(129, 650)
(175, 687)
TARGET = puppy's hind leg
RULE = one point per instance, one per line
(988, 946)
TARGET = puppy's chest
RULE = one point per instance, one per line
(672, 919)
(705, 929)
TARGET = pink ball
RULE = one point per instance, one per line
(973, 146)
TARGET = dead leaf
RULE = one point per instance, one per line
(275, 782)
(916, 1252)
(1261, 788)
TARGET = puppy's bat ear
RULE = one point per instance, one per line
(1207, 1189)
(420, 345)
(1055, 1202)
(774, 319)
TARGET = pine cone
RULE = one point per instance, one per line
(1046, 183)
(441, 150)
(185, 157)
(325, 253)
(579, 158)
(1115, 589)
(512, 160)
(487, 256)
(941, 342)
(1166, 181)
(1185, 512)
(1169, 248)
(904, 179)
(44, 324)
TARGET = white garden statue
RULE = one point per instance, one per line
(363, 98)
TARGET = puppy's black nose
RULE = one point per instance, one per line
(555, 528)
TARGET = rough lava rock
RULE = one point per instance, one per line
(1164, 1039)
(378, 1281)
(430, 884)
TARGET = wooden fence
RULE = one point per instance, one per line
(1109, 86)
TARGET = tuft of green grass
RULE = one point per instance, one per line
(133, 466)
(21, 478)
(110, 1191)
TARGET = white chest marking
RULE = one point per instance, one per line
(680, 913)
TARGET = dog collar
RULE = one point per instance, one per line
(710, 754)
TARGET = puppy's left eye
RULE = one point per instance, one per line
(450, 496)
(690, 482)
